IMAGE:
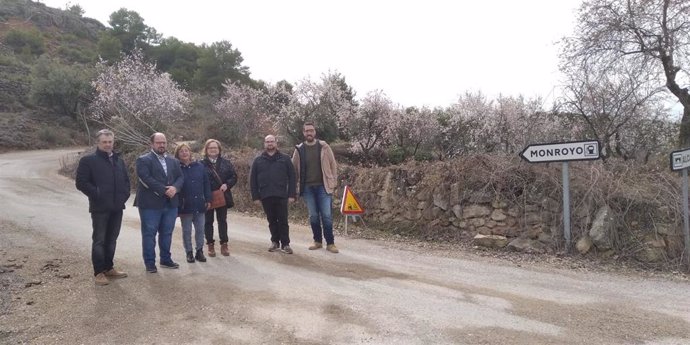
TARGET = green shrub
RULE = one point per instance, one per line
(396, 155)
(424, 156)
(47, 135)
(77, 55)
(28, 42)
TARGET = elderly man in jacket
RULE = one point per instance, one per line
(102, 176)
(160, 180)
(317, 172)
(272, 182)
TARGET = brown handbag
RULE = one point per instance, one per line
(217, 196)
(217, 199)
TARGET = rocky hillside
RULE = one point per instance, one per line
(31, 32)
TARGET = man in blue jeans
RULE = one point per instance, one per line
(316, 171)
(160, 179)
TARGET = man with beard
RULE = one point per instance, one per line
(102, 176)
(272, 181)
(160, 179)
(317, 171)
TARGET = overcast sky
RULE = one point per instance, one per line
(421, 52)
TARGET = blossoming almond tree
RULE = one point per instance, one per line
(326, 102)
(410, 129)
(645, 36)
(246, 110)
(135, 100)
(369, 123)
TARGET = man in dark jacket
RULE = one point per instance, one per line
(272, 182)
(160, 179)
(102, 176)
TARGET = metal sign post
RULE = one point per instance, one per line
(566, 205)
(563, 152)
(686, 227)
(680, 160)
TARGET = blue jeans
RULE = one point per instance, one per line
(159, 222)
(197, 219)
(320, 208)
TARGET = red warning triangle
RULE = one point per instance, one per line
(350, 204)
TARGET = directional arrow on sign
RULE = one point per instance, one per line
(562, 152)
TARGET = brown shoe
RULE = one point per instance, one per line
(332, 248)
(101, 279)
(224, 249)
(211, 250)
(316, 245)
(114, 273)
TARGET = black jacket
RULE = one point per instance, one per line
(153, 180)
(227, 174)
(272, 176)
(106, 184)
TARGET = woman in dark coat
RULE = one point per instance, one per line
(222, 176)
(195, 199)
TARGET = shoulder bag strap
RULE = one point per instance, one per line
(215, 173)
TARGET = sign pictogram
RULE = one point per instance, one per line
(350, 204)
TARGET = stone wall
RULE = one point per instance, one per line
(501, 202)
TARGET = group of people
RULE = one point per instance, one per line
(199, 191)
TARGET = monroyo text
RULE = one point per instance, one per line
(564, 151)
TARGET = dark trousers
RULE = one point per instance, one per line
(276, 210)
(222, 217)
(106, 229)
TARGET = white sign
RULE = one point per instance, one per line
(561, 152)
(680, 159)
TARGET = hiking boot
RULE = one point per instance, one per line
(224, 249)
(200, 255)
(151, 268)
(113, 273)
(101, 279)
(332, 248)
(211, 250)
(190, 257)
(316, 245)
(170, 264)
(287, 250)
(274, 247)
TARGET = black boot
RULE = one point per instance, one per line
(190, 257)
(200, 255)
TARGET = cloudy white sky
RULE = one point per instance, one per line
(419, 52)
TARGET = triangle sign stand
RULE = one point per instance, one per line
(350, 206)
